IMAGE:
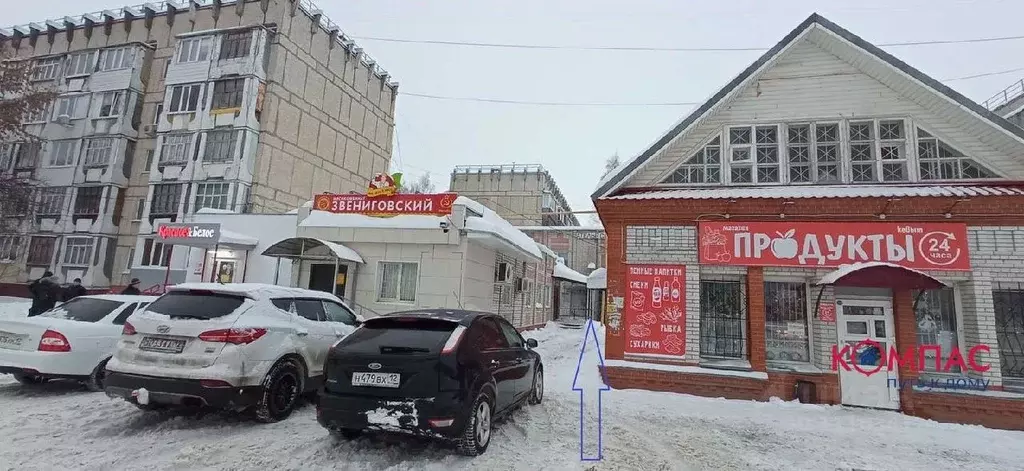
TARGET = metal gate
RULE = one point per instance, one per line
(1008, 301)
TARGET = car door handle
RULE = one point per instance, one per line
(302, 333)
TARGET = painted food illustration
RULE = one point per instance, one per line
(672, 314)
(648, 318)
(785, 246)
(639, 330)
(636, 299)
(673, 344)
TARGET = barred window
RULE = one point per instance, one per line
(785, 309)
(98, 152)
(705, 166)
(722, 319)
(40, 250)
(78, 251)
(175, 149)
(165, 200)
(941, 161)
(220, 146)
(235, 45)
(9, 246)
(87, 203)
(213, 195)
(935, 312)
(228, 93)
(51, 201)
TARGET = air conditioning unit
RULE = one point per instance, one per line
(149, 129)
(63, 120)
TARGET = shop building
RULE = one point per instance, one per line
(832, 225)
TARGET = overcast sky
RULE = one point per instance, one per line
(572, 142)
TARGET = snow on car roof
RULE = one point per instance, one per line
(124, 298)
(255, 290)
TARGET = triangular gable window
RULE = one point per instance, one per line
(704, 166)
(940, 161)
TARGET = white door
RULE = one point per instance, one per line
(865, 384)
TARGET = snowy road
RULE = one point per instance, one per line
(60, 426)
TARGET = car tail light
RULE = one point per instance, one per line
(53, 341)
(453, 340)
(214, 383)
(128, 329)
(441, 423)
(235, 336)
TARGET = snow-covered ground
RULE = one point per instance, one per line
(60, 426)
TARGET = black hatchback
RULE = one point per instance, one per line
(438, 373)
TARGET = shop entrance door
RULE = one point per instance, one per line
(865, 385)
(321, 278)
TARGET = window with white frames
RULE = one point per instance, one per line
(110, 104)
(754, 154)
(37, 116)
(72, 106)
(397, 282)
(80, 63)
(166, 197)
(185, 98)
(9, 248)
(98, 152)
(129, 261)
(51, 201)
(938, 160)
(812, 152)
(215, 195)
(175, 149)
(785, 311)
(78, 250)
(61, 153)
(156, 254)
(220, 146)
(935, 312)
(195, 49)
(704, 166)
(878, 151)
(46, 69)
(116, 58)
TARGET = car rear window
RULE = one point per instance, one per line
(399, 335)
(83, 309)
(196, 304)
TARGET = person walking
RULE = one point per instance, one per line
(45, 294)
(74, 290)
(132, 288)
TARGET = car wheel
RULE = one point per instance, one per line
(29, 380)
(346, 433)
(537, 395)
(99, 374)
(281, 390)
(477, 435)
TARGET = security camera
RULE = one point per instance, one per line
(444, 226)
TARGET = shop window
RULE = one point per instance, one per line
(235, 45)
(87, 203)
(51, 201)
(195, 49)
(116, 58)
(227, 94)
(156, 254)
(940, 161)
(722, 319)
(98, 152)
(61, 153)
(397, 282)
(9, 248)
(220, 146)
(78, 251)
(185, 98)
(40, 250)
(46, 69)
(175, 149)
(935, 311)
(165, 200)
(1008, 301)
(705, 166)
(80, 64)
(785, 310)
(213, 195)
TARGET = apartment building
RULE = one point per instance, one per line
(244, 106)
(1009, 103)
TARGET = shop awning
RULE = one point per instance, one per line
(598, 279)
(237, 239)
(565, 273)
(880, 275)
(308, 248)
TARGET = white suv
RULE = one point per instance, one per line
(232, 346)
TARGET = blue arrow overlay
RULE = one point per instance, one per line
(590, 424)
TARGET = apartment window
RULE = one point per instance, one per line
(165, 199)
(722, 320)
(46, 69)
(87, 203)
(213, 195)
(156, 254)
(159, 111)
(40, 250)
(754, 154)
(116, 58)
(98, 152)
(27, 155)
(9, 246)
(51, 201)
(227, 93)
(80, 64)
(129, 261)
(37, 116)
(705, 166)
(62, 153)
(185, 98)
(110, 104)
(397, 282)
(72, 106)
(220, 146)
(175, 149)
(149, 160)
(785, 309)
(78, 251)
(940, 161)
(140, 208)
(235, 45)
(194, 49)
(935, 311)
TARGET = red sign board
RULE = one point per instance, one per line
(827, 312)
(937, 246)
(655, 310)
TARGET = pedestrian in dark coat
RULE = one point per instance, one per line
(45, 294)
(74, 290)
(132, 288)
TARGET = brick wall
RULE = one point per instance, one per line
(781, 385)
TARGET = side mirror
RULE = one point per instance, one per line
(531, 343)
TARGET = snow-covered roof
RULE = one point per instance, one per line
(831, 191)
(214, 211)
(237, 238)
(254, 290)
(561, 228)
(547, 250)
(598, 279)
(843, 270)
(566, 273)
(493, 225)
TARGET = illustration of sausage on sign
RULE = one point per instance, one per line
(655, 316)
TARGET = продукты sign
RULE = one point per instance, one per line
(655, 309)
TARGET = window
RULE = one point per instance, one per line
(826, 153)
(85, 309)
(87, 203)
(235, 45)
(9, 246)
(935, 311)
(78, 251)
(785, 309)
(110, 104)
(705, 166)
(312, 309)
(511, 334)
(878, 154)
(722, 319)
(798, 153)
(185, 98)
(27, 155)
(484, 335)
(116, 58)
(338, 313)
(220, 146)
(175, 149)
(51, 201)
(40, 250)
(196, 304)
(227, 93)
(754, 154)
(39, 115)
(159, 111)
(862, 151)
(72, 106)
(156, 254)
(62, 153)
(940, 161)
(397, 282)
(79, 64)
(140, 208)
(46, 69)
(892, 149)
(165, 200)
(125, 314)
(213, 195)
(194, 49)
(98, 152)
(149, 160)
(1007, 299)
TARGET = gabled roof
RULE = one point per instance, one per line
(620, 175)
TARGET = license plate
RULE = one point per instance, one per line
(155, 344)
(379, 380)
(9, 340)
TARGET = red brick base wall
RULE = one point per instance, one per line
(994, 412)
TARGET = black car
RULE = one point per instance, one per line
(438, 373)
